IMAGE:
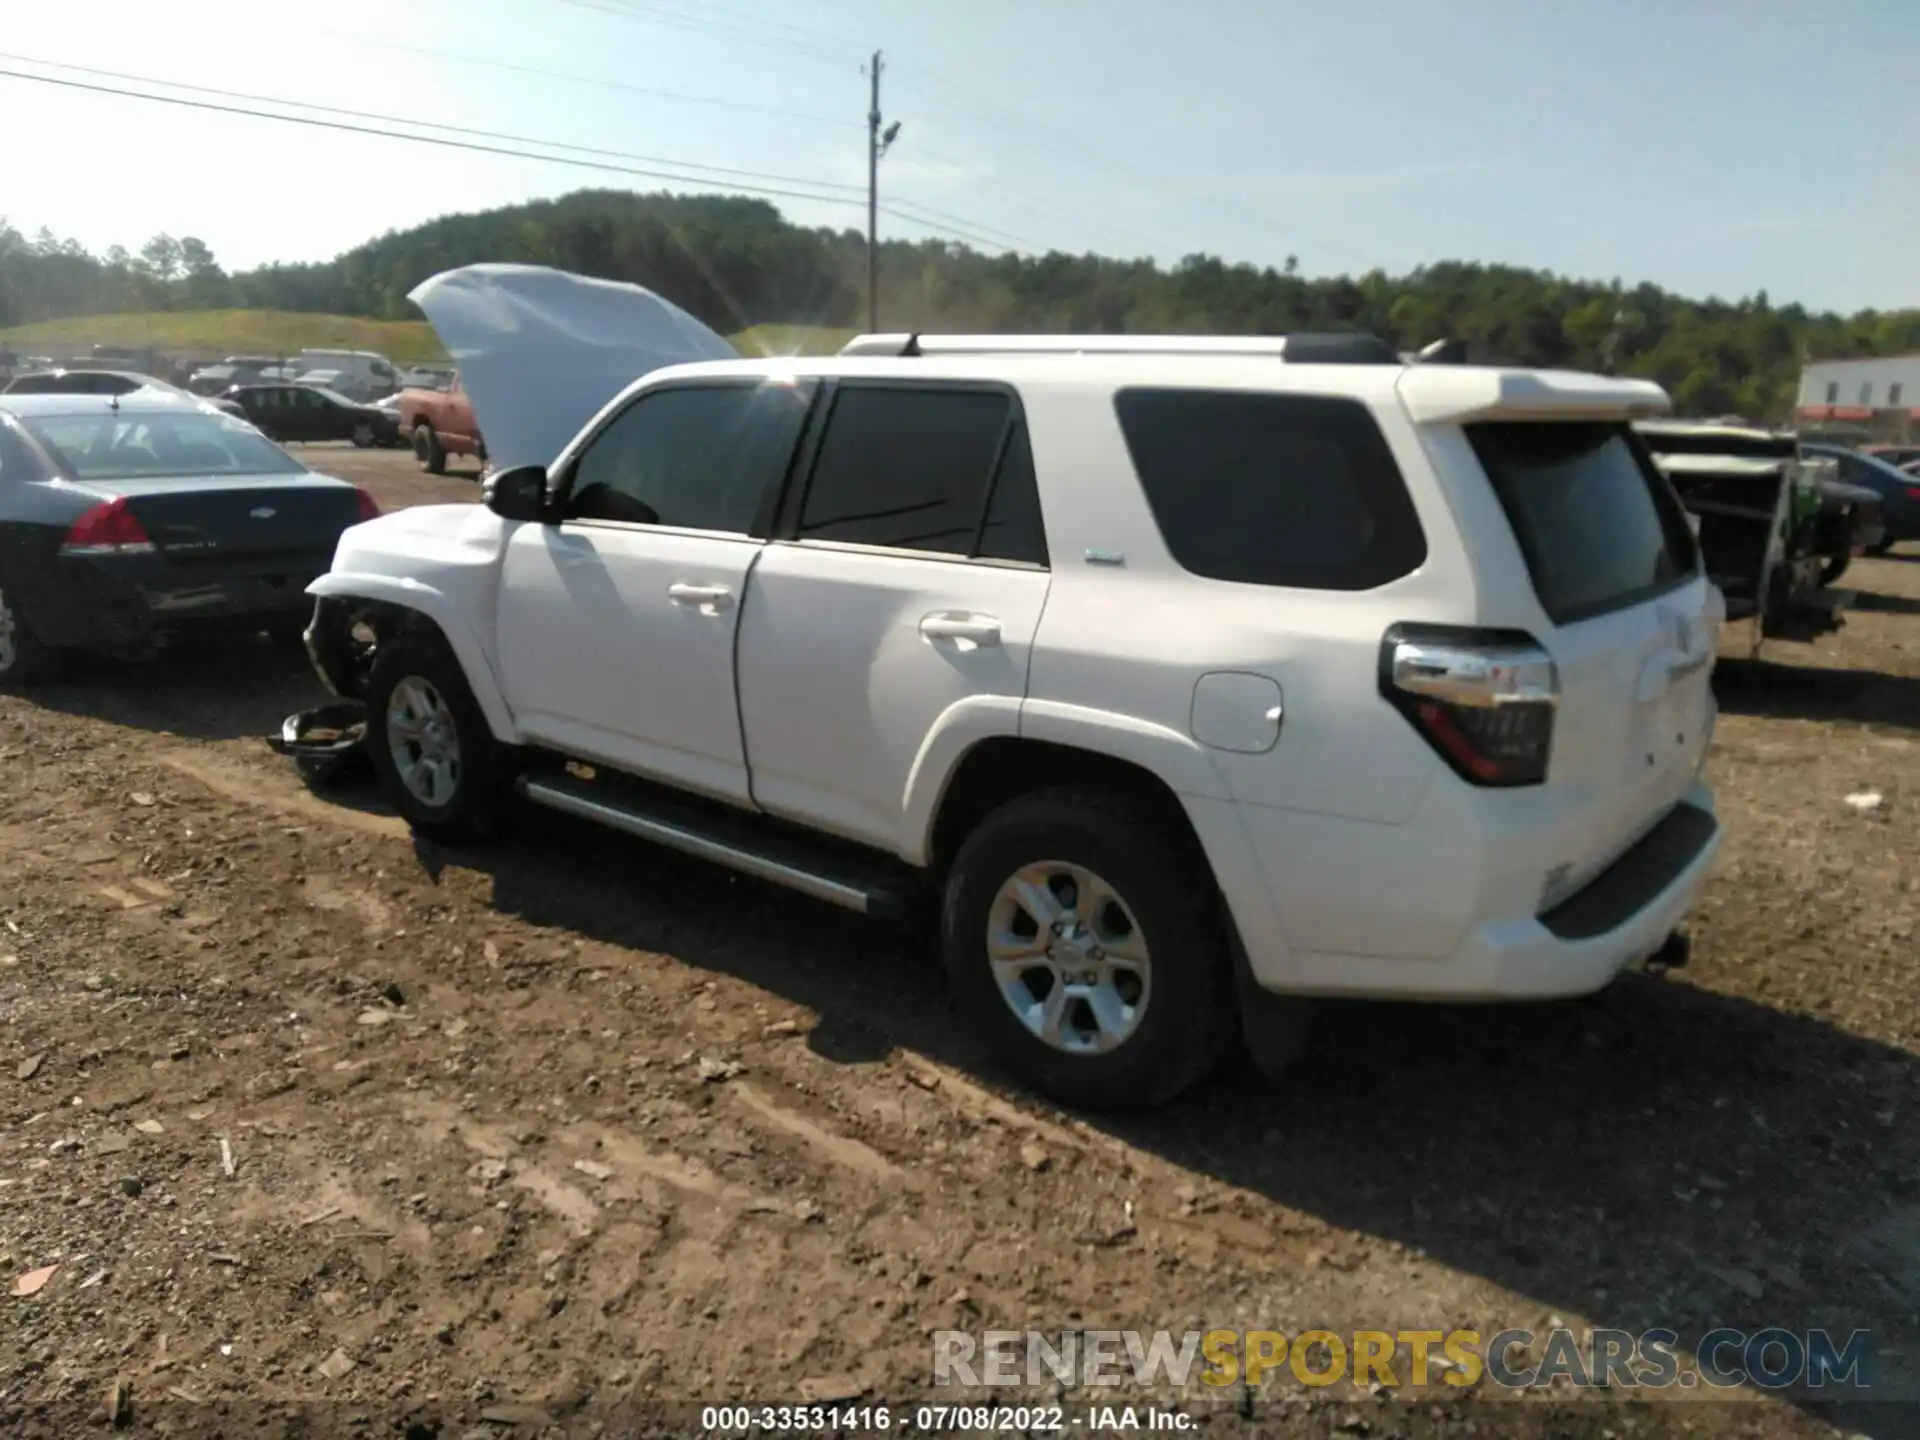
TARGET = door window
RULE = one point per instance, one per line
(702, 457)
(925, 468)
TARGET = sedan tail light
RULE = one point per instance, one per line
(369, 507)
(109, 528)
(1484, 699)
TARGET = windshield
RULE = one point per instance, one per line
(116, 447)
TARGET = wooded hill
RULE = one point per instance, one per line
(736, 262)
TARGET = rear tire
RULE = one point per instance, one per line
(430, 743)
(24, 656)
(1143, 970)
(1885, 547)
(362, 436)
(1834, 568)
(428, 450)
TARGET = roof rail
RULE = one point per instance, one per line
(1333, 349)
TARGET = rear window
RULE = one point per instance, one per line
(1265, 489)
(1600, 528)
(189, 446)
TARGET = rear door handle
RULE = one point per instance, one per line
(951, 625)
(716, 597)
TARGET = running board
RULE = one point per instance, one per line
(723, 839)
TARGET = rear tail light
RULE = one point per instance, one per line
(109, 528)
(1913, 492)
(369, 507)
(1485, 699)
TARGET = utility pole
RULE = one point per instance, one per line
(873, 199)
(878, 142)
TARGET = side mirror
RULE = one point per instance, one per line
(517, 494)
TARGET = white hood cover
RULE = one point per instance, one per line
(540, 350)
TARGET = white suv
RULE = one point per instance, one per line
(1191, 672)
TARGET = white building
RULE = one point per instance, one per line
(1880, 395)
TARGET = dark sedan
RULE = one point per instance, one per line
(1899, 492)
(311, 412)
(127, 521)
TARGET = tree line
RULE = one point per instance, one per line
(736, 261)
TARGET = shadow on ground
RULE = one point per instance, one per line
(1657, 1156)
(1868, 601)
(1807, 692)
(205, 690)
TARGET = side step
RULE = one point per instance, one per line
(736, 840)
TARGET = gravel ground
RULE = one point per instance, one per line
(310, 1115)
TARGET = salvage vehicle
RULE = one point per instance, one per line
(130, 521)
(1776, 532)
(1193, 676)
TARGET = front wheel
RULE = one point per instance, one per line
(430, 743)
(24, 656)
(1834, 567)
(1884, 547)
(1083, 934)
(362, 436)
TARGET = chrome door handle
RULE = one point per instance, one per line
(717, 597)
(980, 629)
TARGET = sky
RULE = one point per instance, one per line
(1714, 147)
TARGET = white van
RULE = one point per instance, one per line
(358, 374)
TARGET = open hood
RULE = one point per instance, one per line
(541, 350)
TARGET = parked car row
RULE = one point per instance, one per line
(362, 376)
(101, 382)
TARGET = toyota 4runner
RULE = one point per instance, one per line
(1192, 675)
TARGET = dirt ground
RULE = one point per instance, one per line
(308, 1114)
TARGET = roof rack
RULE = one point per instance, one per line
(1334, 349)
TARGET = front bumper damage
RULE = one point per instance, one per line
(327, 743)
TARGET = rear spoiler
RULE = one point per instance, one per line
(1457, 394)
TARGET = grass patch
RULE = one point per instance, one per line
(226, 332)
(286, 332)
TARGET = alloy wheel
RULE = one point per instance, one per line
(1068, 957)
(423, 741)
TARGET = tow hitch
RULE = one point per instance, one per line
(326, 744)
(1673, 954)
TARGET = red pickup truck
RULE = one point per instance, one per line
(440, 423)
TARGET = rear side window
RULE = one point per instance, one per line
(703, 457)
(1599, 526)
(925, 468)
(1265, 489)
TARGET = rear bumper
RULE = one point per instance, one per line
(135, 602)
(1617, 919)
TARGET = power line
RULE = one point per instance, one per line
(824, 37)
(838, 122)
(654, 15)
(444, 142)
(431, 124)
(449, 143)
